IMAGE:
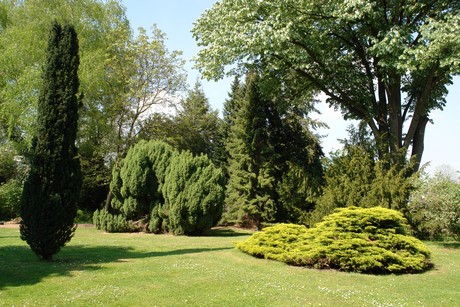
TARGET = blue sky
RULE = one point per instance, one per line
(176, 17)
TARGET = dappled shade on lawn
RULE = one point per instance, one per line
(19, 267)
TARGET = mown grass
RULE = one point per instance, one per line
(97, 268)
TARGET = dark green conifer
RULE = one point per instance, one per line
(274, 161)
(249, 200)
(197, 124)
(194, 194)
(51, 191)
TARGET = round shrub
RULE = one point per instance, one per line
(136, 184)
(169, 191)
(136, 187)
(273, 242)
(364, 240)
(434, 208)
(194, 194)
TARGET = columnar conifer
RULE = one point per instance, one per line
(51, 191)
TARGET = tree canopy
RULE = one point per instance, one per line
(386, 63)
(140, 73)
(24, 27)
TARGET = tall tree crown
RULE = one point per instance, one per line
(386, 63)
(51, 191)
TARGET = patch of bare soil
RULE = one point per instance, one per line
(9, 225)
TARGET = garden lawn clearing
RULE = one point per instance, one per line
(139, 269)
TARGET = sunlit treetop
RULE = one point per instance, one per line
(386, 63)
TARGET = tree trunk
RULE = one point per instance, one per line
(418, 144)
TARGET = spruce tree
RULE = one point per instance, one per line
(51, 191)
(274, 161)
(249, 191)
(197, 124)
(229, 111)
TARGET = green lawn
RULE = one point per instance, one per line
(97, 268)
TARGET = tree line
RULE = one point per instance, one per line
(271, 162)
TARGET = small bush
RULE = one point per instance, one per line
(10, 199)
(435, 208)
(83, 217)
(365, 240)
(103, 220)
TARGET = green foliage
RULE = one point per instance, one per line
(23, 39)
(8, 166)
(10, 199)
(435, 208)
(104, 220)
(83, 217)
(136, 184)
(140, 73)
(353, 177)
(167, 190)
(51, 191)
(195, 128)
(96, 178)
(364, 240)
(198, 124)
(194, 193)
(121, 76)
(273, 166)
(12, 175)
(250, 183)
(273, 242)
(386, 63)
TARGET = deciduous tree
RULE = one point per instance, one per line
(435, 207)
(24, 26)
(386, 63)
(141, 74)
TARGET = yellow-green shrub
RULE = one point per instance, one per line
(366, 240)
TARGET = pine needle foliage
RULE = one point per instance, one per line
(354, 177)
(51, 191)
(274, 164)
(364, 240)
(250, 183)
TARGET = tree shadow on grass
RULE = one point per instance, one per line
(20, 266)
(227, 232)
(453, 245)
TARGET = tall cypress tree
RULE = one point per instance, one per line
(51, 191)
